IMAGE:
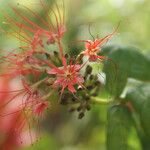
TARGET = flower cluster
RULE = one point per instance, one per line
(44, 72)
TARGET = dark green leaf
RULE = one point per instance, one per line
(138, 96)
(125, 62)
(119, 123)
(145, 116)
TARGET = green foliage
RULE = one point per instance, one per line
(44, 143)
(145, 116)
(119, 123)
(125, 62)
(138, 96)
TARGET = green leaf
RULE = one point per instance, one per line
(145, 116)
(118, 129)
(138, 96)
(140, 100)
(125, 62)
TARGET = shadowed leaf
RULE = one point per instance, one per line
(118, 129)
(127, 62)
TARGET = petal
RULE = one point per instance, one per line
(74, 68)
(71, 88)
(80, 79)
(101, 57)
(97, 42)
(55, 71)
(93, 57)
(59, 81)
(77, 67)
(88, 44)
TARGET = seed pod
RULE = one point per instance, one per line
(90, 87)
(88, 70)
(81, 115)
(55, 54)
(91, 77)
(118, 129)
(72, 109)
(87, 97)
(48, 55)
(64, 102)
(66, 56)
(88, 107)
(97, 83)
(79, 108)
(79, 58)
(65, 99)
(73, 99)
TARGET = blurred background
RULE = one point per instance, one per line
(62, 130)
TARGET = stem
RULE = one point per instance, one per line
(47, 95)
(97, 100)
(39, 68)
(61, 54)
(35, 85)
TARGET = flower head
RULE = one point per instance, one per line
(67, 77)
(93, 47)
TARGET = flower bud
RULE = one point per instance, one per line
(88, 70)
(55, 54)
(91, 77)
(81, 115)
(72, 109)
(79, 108)
(79, 58)
(90, 87)
(88, 107)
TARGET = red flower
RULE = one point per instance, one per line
(11, 124)
(52, 32)
(93, 47)
(20, 64)
(67, 76)
(40, 108)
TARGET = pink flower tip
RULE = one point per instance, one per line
(41, 107)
